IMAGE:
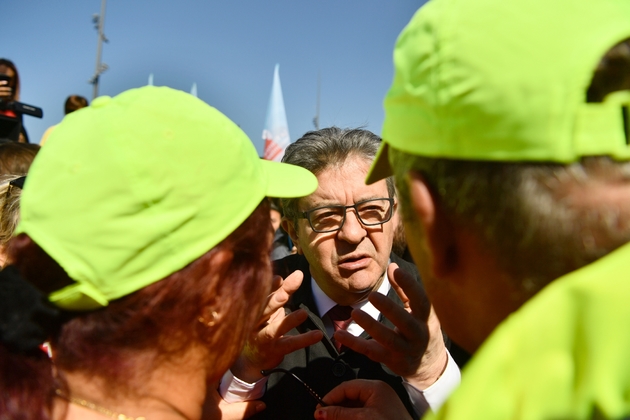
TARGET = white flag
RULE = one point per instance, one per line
(276, 131)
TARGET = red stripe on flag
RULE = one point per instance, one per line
(272, 150)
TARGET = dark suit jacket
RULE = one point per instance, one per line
(320, 365)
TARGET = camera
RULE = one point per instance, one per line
(21, 108)
(11, 126)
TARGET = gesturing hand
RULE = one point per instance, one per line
(414, 349)
(267, 344)
(362, 400)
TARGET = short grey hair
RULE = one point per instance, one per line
(523, 212)
(326, 148)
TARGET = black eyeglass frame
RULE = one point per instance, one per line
(306, 214)
(18, 182)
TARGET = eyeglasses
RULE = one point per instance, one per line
(294, 376)
(331, 218)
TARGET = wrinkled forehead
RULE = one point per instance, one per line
(344, 184)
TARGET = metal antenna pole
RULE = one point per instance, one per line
(99, 24)
(319, 85)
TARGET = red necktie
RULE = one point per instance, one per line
(341, 319)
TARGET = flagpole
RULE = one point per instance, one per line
(99, 21)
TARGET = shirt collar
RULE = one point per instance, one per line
(324, 303)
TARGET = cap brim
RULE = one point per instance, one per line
(285, 180)
(380, 167)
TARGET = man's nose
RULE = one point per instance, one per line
(352, 230)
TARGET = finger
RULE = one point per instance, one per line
(409, 325)
(288, 286)
(409, 291)
(372, 349)
(344, 413)
(354, 390)
(276, 283)
(282, 294)
(240, 410)
(289, 344)
(283, 324)
(293, 281)
(375, 401)
(382, 333)
(392, 275)
(359, 392)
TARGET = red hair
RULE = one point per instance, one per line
(26, 387)
(160, 321)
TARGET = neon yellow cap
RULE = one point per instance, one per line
(133, 188)
(504, 80)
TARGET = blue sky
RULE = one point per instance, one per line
(228, 48)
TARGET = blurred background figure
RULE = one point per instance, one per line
(282, 244)
(275, 212)
(10, 192)
(73, 102)
(16, 158)
(10, 121)
(10, 83)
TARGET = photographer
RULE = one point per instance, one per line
(10, 84)
(9, 93)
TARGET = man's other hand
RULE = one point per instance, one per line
(415, 348)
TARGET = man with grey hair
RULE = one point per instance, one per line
(509, 138)
(343, 233)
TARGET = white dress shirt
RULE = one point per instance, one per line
(233, 389)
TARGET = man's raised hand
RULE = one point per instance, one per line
(415, 348)
(267, 344)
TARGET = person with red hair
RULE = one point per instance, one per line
(141, 257)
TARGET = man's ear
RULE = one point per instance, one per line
(290, 228)
(437, 226)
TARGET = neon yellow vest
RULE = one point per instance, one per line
(565, 354)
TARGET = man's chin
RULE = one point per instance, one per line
(361, 282)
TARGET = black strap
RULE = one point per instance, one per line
(26, 318)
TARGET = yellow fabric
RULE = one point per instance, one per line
(44, 138)
(504, 80)
(564, 355)
(133, 188)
